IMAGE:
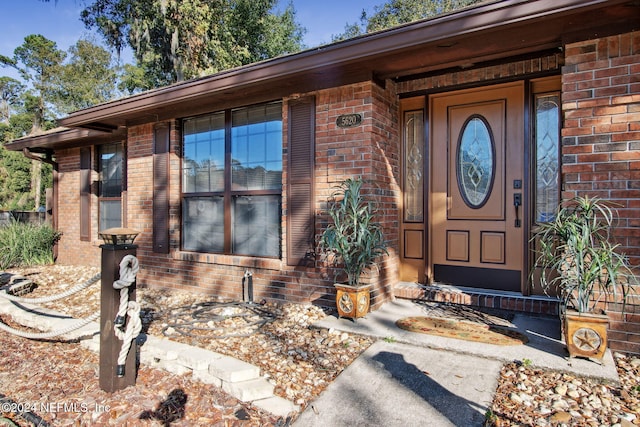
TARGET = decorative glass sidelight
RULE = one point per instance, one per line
(413, 166)
(475, 161)
(547, 168)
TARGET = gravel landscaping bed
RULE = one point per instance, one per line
(534, 397)
(301, 361)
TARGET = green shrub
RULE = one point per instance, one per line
(26, 244)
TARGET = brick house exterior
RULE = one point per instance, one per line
(601, 144)
(594, 71)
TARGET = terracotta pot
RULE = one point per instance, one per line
(586, 334)
(352, 301)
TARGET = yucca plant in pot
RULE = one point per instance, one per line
(579, 262)
(354, 241)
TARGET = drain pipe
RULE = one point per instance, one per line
(29, 155)
(51, 210)
(247, 287)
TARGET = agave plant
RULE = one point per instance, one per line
(353, 237)
(576, 255)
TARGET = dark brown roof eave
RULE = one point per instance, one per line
(338, 58)
(61, 138)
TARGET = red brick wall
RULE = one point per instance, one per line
(488, 74)
(386, 170)
(369, 150)
(71, 250)
(601, 145)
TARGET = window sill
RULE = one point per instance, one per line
(228, 260)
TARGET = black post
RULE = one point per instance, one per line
(110, 345)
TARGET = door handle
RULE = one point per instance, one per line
(517, 202)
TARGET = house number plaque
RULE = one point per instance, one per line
(349, 120)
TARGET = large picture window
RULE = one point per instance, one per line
(110, 162)
(232, 181)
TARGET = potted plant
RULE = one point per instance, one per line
(352, 240)
(579, 262)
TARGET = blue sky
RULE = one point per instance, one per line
(61, 22)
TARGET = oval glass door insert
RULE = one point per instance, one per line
(475, 162)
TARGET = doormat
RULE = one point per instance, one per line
(462, 330)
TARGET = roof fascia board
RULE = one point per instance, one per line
(481, 18)
(64, 136)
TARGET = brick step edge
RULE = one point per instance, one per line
(481, 298)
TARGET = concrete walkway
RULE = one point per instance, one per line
(408, 378)
(397, 384)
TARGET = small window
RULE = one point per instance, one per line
(110, 161)
(256, 225)
(204, 154)
(475, 161)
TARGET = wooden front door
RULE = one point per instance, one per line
(477, 187)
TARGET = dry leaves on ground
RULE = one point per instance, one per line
(58, 381)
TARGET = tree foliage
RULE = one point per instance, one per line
(15, 169)
(28, 110)
(38, 62)
(172, 40)
(175, 40)
(87, 78)
(10, 91)
(58, 82)
(17, 191)
(398, 12)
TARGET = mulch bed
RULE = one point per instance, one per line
(58, 382)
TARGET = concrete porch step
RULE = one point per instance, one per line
(534, 304)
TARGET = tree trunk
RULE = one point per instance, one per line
(36, 166)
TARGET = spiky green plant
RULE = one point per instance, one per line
(353, 237)
(576, 255)
(26, 244)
